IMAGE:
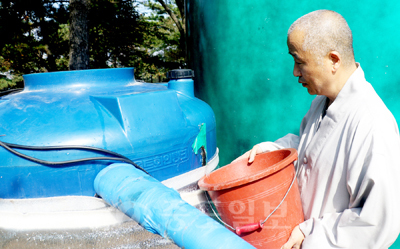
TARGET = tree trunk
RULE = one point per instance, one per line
(180, 25)
(79, 35)
(181, 7)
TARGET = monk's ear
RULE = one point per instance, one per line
(335, 59)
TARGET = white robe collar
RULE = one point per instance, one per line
(337, 111)
(347, 95)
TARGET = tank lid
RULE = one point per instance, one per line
(180, 74)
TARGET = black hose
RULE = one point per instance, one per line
(78, 147)
(3, 93)
(118, 157)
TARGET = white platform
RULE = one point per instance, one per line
(79, 212)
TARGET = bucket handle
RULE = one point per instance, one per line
(253, 226)
(249, 228)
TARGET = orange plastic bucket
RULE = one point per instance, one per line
(245, 194)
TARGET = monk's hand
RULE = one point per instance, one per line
(295, 239)
(251, 154)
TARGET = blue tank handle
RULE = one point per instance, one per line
(161, 210)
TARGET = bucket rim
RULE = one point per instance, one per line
(288, 160)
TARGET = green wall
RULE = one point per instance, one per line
(243, 69)
(244, 72)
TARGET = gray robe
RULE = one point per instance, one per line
(348, 170)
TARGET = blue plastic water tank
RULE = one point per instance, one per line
(154, 125)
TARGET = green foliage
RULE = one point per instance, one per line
(162, 48)
(32, 43)
(38, 39)
(113, 32)
(6, 84)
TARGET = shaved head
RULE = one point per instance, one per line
(325, 31)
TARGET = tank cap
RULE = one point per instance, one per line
(180, 74)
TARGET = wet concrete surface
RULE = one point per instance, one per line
(123, 236)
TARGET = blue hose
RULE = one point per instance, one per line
(161, 210)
